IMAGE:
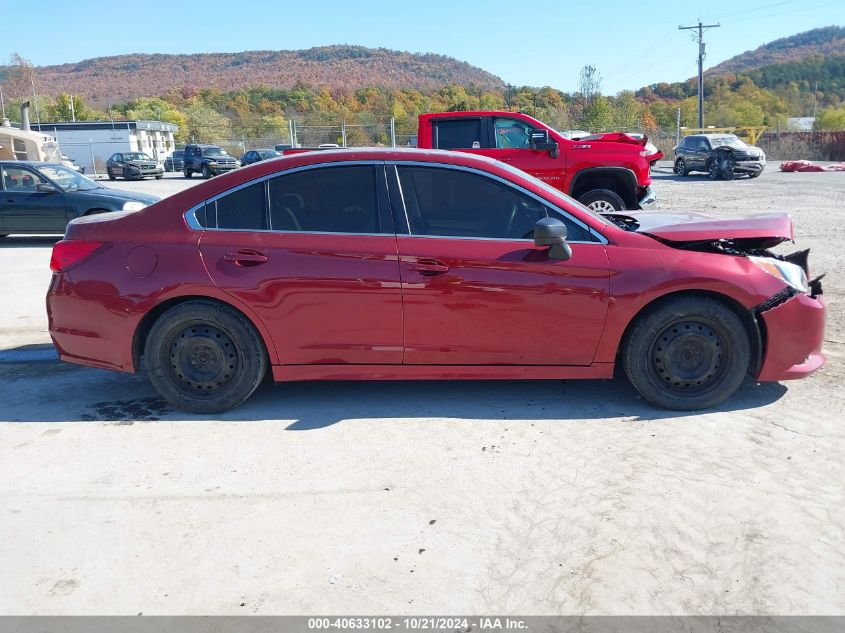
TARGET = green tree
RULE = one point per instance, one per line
(598, 116)
(203, 125)
(830, 119)
(61, 110)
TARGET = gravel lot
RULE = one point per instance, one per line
(423, 498)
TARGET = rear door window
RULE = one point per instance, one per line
(458, 134)
(327, 200)
(244, 209)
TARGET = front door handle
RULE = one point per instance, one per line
(428, 267)
(246, 257)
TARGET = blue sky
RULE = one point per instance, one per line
(541, 42)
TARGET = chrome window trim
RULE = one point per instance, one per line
(600, 239)
(193, 223)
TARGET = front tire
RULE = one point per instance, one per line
(687, 353)
(187, 173)
(602, 201)
(204, 357)
(111, 175)
(681, 167)
(206, 172)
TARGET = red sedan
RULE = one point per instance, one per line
(415, 264)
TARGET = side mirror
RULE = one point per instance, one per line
(45, 187)
(541, 142)
(552, 232)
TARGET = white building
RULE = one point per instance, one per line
(89, 141)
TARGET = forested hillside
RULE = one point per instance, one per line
(117, 79)
(826, 41)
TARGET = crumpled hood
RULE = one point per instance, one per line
(142, 163)
(691, 226)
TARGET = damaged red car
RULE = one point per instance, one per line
(424, 264)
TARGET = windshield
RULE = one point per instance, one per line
(179, 153)
(727, 141)
(556, 195)
(214, 151)
(68, 179)
(136, 156)
(268, 153)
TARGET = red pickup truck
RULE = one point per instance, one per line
(606, 172)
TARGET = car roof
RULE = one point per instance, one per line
(30, 163)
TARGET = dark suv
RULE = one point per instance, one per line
(208, 160)
(719, 155)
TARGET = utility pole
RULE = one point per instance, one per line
(72, 112)
(700, 39)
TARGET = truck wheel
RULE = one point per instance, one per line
(681, 167)
(204, 357)
(206, 172)
(688, 353)
(187, 172)
(602, 201)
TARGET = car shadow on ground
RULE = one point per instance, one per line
(30, 390)
(28, 241)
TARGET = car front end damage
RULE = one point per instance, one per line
(789, 325)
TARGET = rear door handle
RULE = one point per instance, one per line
(428, 267)
(246, 257)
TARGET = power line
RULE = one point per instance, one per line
(700, 39)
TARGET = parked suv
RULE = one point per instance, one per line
(208, 160)
(719, 155)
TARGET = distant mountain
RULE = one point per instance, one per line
(826, 41)
(124, 77)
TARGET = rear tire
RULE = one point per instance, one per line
(204, 357)
(602, 201)
(687, 353)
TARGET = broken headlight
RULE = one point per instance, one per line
(790, 274)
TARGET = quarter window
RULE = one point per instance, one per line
(326, 200)
(244, 209)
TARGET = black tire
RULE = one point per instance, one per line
(755, 174)
(187, 172)
(159, 176)
(602, 201)
(206, 172)
(204, 357)
(686, 353)
(111, 176)
(126, 175)
(681, 167)
(713, 170)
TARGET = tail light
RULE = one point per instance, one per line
(69, 253)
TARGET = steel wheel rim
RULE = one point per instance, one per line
(602, 206)
(689, 356)
(201, 358)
